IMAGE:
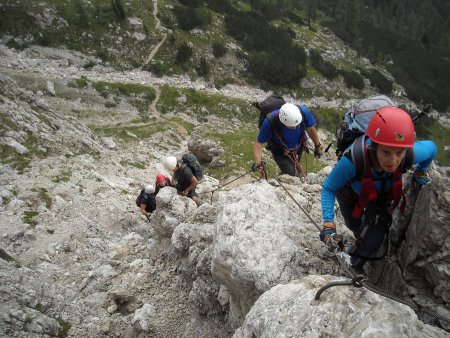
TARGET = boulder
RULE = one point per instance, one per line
(290, 311)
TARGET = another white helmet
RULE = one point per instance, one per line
(290, 115)
(149, 189)
(170, 162)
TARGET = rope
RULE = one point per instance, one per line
(220, 187)
(298, 204)
(306, 162)
(417, 308)
(361, 280)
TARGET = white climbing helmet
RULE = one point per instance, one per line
(170, 162)
(290, 115)
(149, 189)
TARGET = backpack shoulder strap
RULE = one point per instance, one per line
(357, 155)
(274, 121)
(184, 166)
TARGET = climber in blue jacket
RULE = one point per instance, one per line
(367, 181)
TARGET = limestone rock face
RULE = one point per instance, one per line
(205, 150)
(252, 249)
(422, 248)
(290, 311)
(32, 124)
(425, 253)
(420, 244)
(171, 211)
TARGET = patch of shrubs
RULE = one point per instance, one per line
(220, 6)
(352, 79)
(326, 68)
(191, 3)
(202, 68)
(378, 80)
(191, 17)
(184, 53)
(288, 70)
(273, 55)
(218, 49)
(158, 68)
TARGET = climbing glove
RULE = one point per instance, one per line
(329, 236)
(318, 151)
(419, 179)
(256, 166)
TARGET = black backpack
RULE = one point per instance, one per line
(267, 106)
(139, 198)
(151, 201)
(191, 161)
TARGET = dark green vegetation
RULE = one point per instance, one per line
(218, 105)
(44, 196)
(28, 217)
(415, 34)
(139, 96)
(326, 68)
(9, 155)
(65, 327)
(4, 255)
(410, 38)
(273, 55)
(97, 27)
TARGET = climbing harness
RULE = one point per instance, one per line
(292, 155)
(356, 279)
(263, 171)
(282, 148)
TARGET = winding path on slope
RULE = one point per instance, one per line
(157, 27)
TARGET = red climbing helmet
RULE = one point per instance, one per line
(391, 126)
(160, 177)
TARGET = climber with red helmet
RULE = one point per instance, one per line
(284, 131)
(161, 182)
(367, 181)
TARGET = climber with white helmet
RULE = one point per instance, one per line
(284, 131)
(186, 180)
(146, 200)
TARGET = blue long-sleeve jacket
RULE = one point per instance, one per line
(291, 136)
(344, 171)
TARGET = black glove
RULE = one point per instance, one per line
(318, 151)
(256, 166)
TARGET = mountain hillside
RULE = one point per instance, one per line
(218, 44)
